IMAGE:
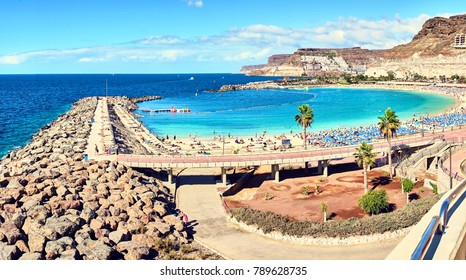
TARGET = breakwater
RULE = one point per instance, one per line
(145, 98)
(249, 86)
(55, 205)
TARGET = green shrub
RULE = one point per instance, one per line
(434, 187)
(374, 202)
(385, 222)
(407, 185)
(316, 187)
(305, 190)
(267, 195)
(323, 207)
(320, 180)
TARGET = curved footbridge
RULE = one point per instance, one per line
(322, 156)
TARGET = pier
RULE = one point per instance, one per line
(171, 110)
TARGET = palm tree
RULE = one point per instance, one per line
(365, 159)
(388, 125)
(305, 119)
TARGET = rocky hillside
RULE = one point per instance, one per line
(435, 38)
(431, 53)
(54, 205)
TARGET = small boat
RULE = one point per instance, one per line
(192, 78)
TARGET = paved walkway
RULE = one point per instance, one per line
(198, 198)
(101, 134)
(456, 159)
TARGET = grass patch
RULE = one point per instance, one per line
(398, 219)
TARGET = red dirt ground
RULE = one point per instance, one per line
(340, 192)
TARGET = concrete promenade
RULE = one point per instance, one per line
(198, 197)
(264, 159)
(101, 134)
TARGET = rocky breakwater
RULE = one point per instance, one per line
(55, 205)
(249, 86)
(145, 98)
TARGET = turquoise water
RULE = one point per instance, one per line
(245, 113)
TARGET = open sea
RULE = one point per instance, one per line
(28, 102)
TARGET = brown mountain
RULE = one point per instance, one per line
(438, 49)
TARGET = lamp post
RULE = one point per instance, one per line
(451, 178)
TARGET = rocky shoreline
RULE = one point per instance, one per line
(145, 98)
(249, 86)
(55, 205)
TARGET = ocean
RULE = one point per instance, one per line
(28, 102)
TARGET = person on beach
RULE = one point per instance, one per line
(96, 149)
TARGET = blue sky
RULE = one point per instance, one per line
(195, 36)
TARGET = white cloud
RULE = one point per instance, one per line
(12, 59)
(250, 44)
(160, 40)
(247, 55)
(195, 3)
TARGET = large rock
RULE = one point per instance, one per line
(31, 257)
(84, 233)
(95, 250)
(22, 246)
(174, 221)
(87, 214)
(119, 236)
(38, 213)
(9, 252)
(160, 225)
(133, 250)
(97, 224)
(62, 226)
(11, 233)
(144, 239)
(71, 254)
(18, 219)
(60, 245)
(36, 242)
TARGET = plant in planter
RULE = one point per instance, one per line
(316, 189)
(407, 186)
(305, 190)
(323, 209)
(267, 195)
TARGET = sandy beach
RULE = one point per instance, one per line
(270, 143)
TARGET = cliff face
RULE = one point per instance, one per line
(436, 37)
(438, 49)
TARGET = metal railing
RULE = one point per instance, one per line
(438, 224)
(411, 163)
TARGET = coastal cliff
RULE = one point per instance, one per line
(439, 48)
(56, 205)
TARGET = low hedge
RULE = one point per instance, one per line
(386, 222)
